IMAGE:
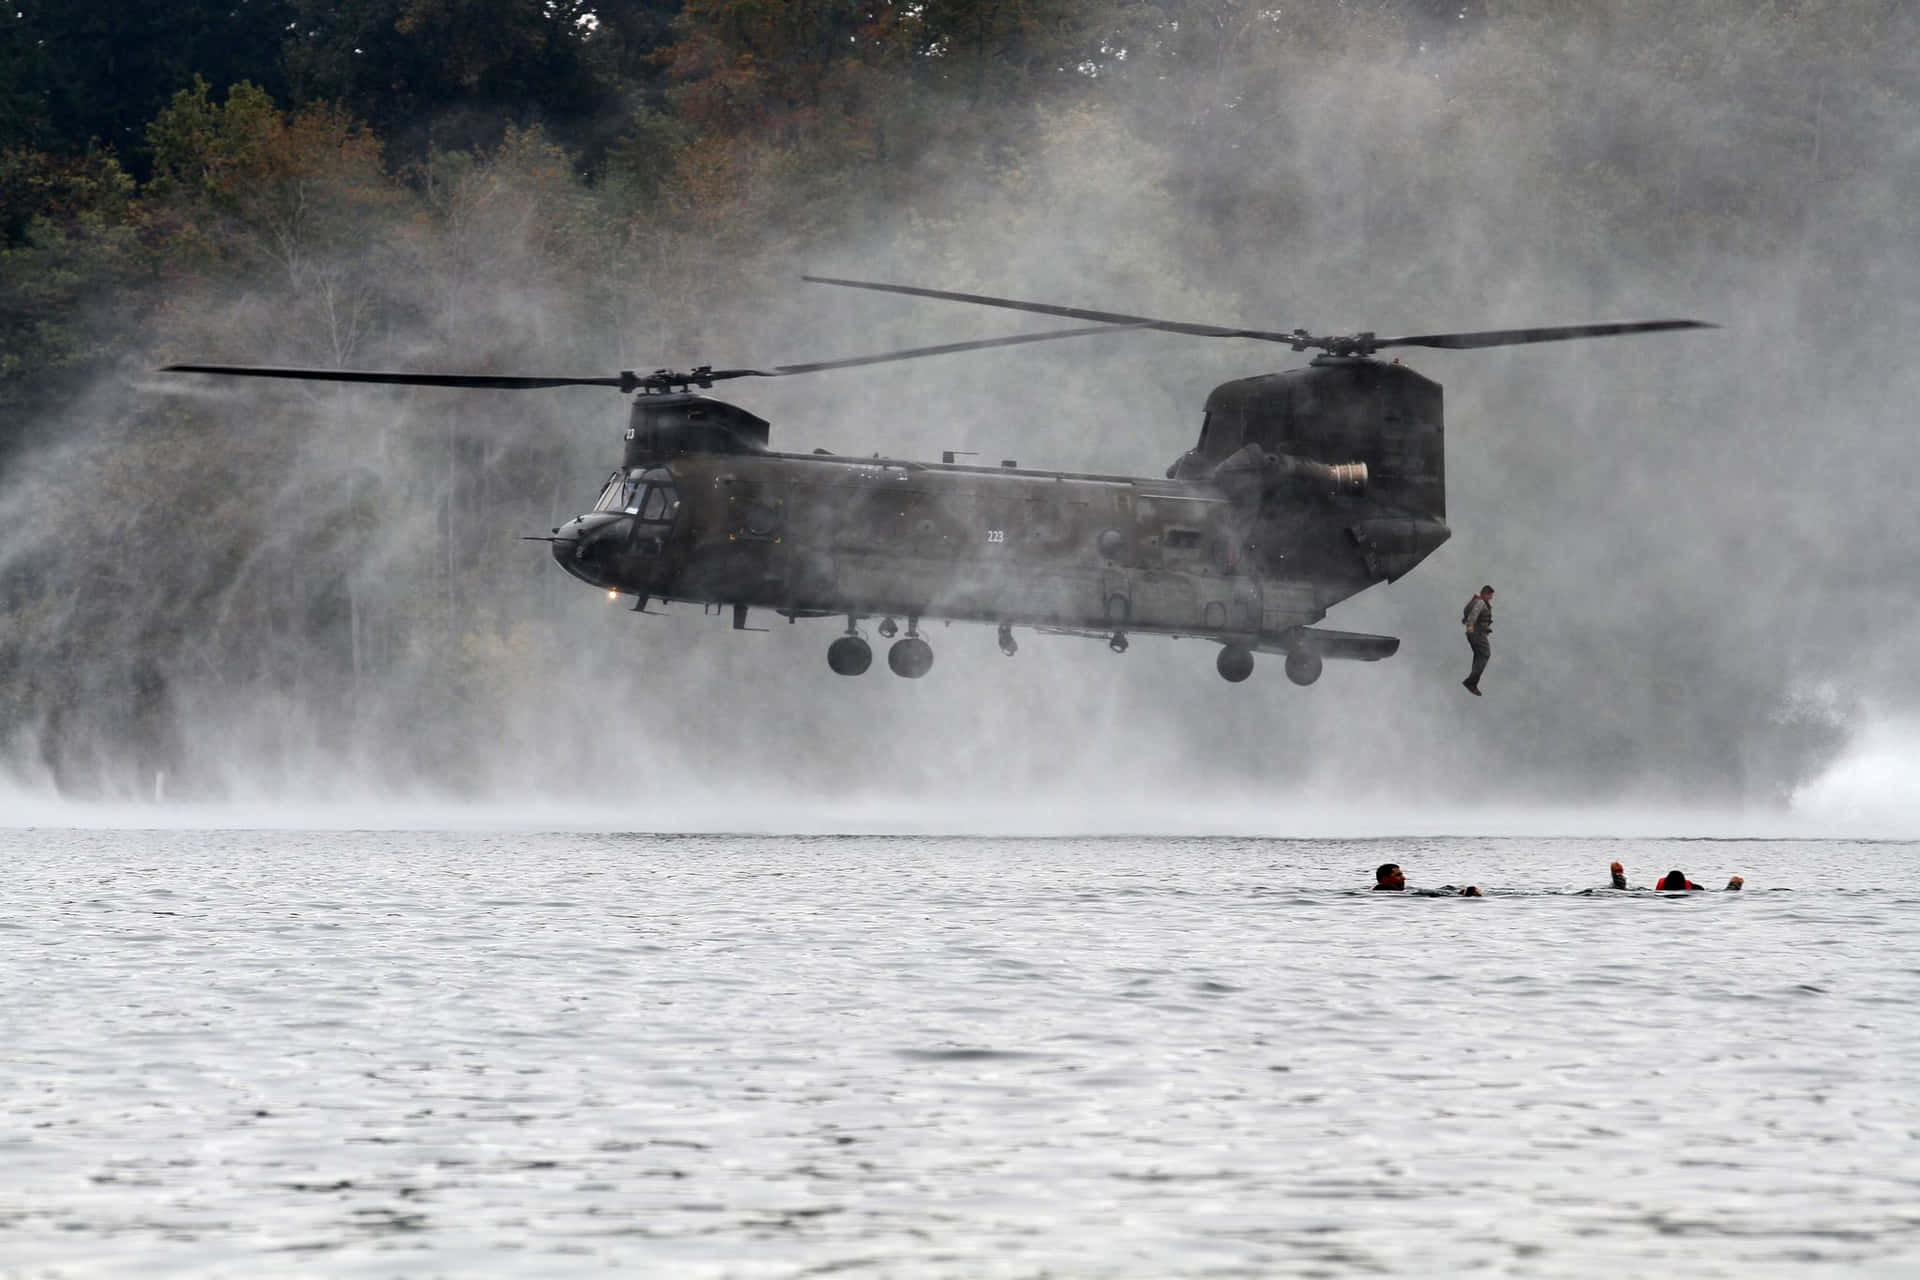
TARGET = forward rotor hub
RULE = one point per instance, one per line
(1353, 344)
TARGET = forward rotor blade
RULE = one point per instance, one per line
(1066, 313)
(628, 381)
(492, 381)
(914, 353)
(1520, 337)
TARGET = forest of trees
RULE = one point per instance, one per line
(581, 185)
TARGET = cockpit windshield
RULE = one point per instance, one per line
(618, 495)
(650, 495)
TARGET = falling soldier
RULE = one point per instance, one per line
(1477, 617)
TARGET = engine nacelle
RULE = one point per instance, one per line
(1337, 411)
(1253, 473)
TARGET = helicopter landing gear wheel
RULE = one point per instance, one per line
(888, 628)
(911, 657)
(1303, 666)
(1008, 645)
(849, 656)
(1235, 663)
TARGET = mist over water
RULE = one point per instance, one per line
(1875, 782)
(266, 595)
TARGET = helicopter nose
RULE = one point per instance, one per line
(584, 544)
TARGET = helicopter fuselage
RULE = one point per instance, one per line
(809, 535)
(1249, 556)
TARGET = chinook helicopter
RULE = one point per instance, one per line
(1305, 487)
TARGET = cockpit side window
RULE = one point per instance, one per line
(659, 502)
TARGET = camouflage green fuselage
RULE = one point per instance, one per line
(832, 535)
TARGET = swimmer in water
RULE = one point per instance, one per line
(1673, 881)
(1389, 878)
(1619, 875)
(1735, 884)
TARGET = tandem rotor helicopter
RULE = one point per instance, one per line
(1305, 487)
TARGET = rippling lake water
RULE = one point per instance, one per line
(432, 1053)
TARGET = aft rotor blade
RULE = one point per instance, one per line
(914, 353)
(1520, 337)
(1066, 313)
(492, 381)
(1299, 340)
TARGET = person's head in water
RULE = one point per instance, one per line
(1619, 876)
(1470, 892)
(1675, 880)
(1735, 883)
(1389, 876)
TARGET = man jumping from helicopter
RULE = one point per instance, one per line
(1477, 617)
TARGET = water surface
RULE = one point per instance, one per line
(419, 1053)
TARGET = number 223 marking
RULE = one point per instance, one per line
(996, 535)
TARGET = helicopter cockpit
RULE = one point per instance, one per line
(647, 495)
(630, 525)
